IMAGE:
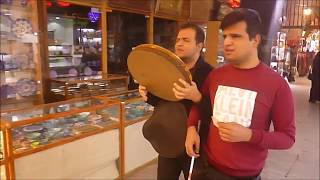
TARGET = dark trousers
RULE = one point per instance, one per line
(170, 168)
(214, 174)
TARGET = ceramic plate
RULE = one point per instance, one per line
(32, 128)
(21, 60)
(73, 72)
(53, 74)
(21, 27)
(26, 87)
(87, 71)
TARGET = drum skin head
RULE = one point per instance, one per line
(157, 69)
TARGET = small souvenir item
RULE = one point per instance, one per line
(21, 27)
(76, 61)
(35, 144)
(84, 115)
(33, 135)
(4, 91)
(73, 72)
(21, 60)
(5, 23)
(85, 128)
(53, 74)
(7, 91)
(10, 65)
(94, 117)
(24, 2)
(26, 87)
(33, 128)
(9, 2)
(1, 65)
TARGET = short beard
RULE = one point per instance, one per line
(186, 60)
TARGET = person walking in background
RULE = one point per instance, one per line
(314, 76)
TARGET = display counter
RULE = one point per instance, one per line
(78, 138)
(137, 150)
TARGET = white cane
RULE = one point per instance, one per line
(193, 158)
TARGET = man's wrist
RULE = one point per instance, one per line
(191, 128)
(197, 97)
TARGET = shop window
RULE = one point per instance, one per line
(125, 31)
(165, 33)
(74, 36)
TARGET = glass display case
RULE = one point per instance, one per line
(137, 150)
(65, 128)
(68, 88)
(20, 68)
(46, 124)
(135, 109)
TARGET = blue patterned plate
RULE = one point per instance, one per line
(21, 27)
(26, 87)
(73, 72)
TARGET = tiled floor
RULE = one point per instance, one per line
(300, 162)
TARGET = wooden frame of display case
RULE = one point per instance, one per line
(5, 162)
(7, 126)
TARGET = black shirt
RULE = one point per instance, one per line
(199, 74)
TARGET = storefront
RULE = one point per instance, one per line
(298, 39)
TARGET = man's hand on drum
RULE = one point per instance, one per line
(187, 91)
(143, 92)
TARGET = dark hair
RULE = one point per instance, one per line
(199, 32)
(249, 16)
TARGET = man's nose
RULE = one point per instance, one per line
(227, 41)
(178, 43)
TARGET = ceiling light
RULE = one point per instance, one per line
(307, 11)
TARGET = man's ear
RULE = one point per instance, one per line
(200, 46)
(256, 40)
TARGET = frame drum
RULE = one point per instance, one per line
(157, 69)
